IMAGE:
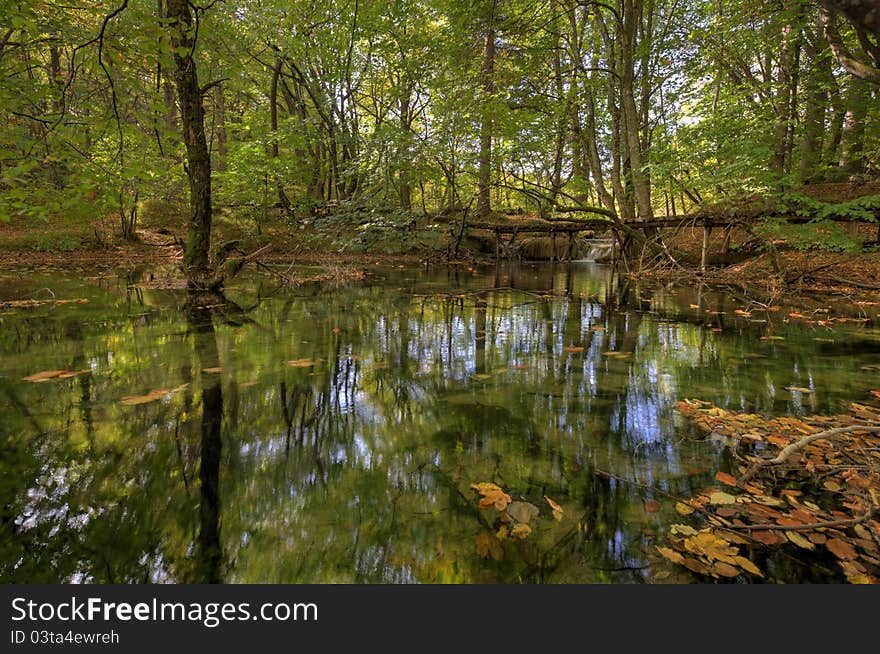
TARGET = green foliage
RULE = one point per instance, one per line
(816, 234)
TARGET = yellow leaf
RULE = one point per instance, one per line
(684, 509)
(302, 363)
(748, 566)
(683, 530)
(799, 540)
(501, 534)
(557, 510)
(720, 497)
(671, 555)
(521, 531)
(213, 371)
(724, 569)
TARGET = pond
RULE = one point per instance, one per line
(321, 434)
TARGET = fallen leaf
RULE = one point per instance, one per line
(671, 555)
(841, 549)
(152, 396)
(748, 566)
(799, 540)
(724, 569)
(302, 363)
(652, 506)
(45, 375)
(521, 531)
(725, 478)
(573, 348)
(683, 530)
(557, 510)
(768, 537)
(487, 545)
(684, 509)
(711, 546)
(720, 497)
(522, 512)
(696, 566)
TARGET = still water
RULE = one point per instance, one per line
(318, 434)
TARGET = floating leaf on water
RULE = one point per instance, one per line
(45, 375)
(724, 569)
(481, 376)
(695, 565)
(671, 555)
(841, 549)
(683, 530)
(768, 537)
(720, 497)
(557, 510)
(522, 512)
(247, 384)
(652, 506)
(684, 509)
(748, 566)
(213, 371)
(302, 363)
(152, 396)
(492, 496)
(501, 534)
(799, 540)
(487, 545)
(521, 531)
(800, 389)
(573, 348)
(712, 547)
(725, 478)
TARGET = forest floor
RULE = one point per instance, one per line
(787, 271)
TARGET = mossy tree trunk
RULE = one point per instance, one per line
(196, 257)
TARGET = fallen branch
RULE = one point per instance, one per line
(801, 444)
(848, 522)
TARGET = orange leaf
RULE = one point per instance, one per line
(841, 549)
(45, 375)
(725, 478)
(652, 506)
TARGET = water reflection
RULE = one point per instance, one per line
(325, 435)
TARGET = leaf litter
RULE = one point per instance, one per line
(821, 500)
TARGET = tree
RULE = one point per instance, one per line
(183, 28)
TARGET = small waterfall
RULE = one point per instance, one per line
(600, 249)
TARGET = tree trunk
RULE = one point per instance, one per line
(814, 117)
(220, 127)
(283, 201)
(852, 160)
(641, 187)
(196, 257)
(484, 205)
(404, 180)
(782, 106)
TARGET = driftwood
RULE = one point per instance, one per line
(797, 446)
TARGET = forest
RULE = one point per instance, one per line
(507, 291)
(394, 118)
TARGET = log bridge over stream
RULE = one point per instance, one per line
(623, 230)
